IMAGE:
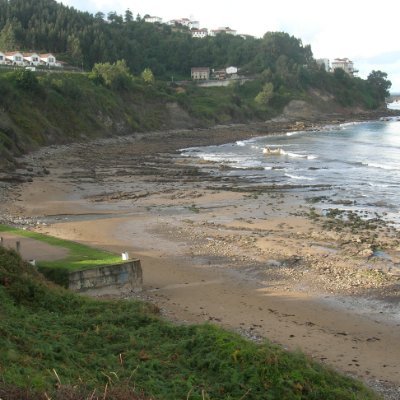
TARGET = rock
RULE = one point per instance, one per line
(274, 263)
(366, 253)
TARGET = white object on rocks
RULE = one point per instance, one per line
(125, 256)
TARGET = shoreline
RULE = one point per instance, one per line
(210, 254)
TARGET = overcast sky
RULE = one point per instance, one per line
(366, 32)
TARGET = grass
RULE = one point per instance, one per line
(80, 257)
(54, 340)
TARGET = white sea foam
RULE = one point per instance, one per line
(296, 155)
(382, 166)
(350, 124)
(299, 177)
(293, 133)
(241, 143)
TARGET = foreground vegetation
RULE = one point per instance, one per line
(71, 347)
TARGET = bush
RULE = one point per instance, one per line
(26, 80)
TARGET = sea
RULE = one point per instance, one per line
(353, 166)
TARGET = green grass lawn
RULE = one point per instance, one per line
(53, 341)
(80, 257)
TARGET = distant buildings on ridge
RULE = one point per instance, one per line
(205, 73)
(194, 27)
(338, 63)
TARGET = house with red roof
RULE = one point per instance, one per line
(14, 58)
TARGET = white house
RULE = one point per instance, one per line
(153, 19)
(200, 73)
(48, 59)
(194, 25)
(14, 58)
(227, 30)
(199, 33)
(345, 64)
(185, 22)
(231, 70)
(2, 58)
(32, 59)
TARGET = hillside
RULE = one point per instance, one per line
(131, 64)
(58, 344)
(38, 109)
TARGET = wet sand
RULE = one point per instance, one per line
(222, 251)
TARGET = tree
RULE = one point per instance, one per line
(116, 76)
(265, 95)
(379, 84)
(128, 15)
(74, 50)
(113, 17)
(26, 80)
(147, 76)
(100, 16)
(8, 41)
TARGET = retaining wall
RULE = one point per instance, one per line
(110, 279)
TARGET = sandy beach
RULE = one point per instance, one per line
(251, 259)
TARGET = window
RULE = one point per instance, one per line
(18, 58)
(1, 58)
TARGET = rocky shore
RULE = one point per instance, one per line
(260, 260)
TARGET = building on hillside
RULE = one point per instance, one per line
(345, 64)
(31, 59)
(231, 70)
(200, 73)
(2, 58)
(199, 33)
(14, 58)
(227, 30)
(152, 19)
(48, 60)
(194, 25)
(219, 74)
(185, 22)
(324, 62)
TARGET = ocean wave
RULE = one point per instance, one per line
(296, 155)
(241, 143)
(293, 133)
(298, 177)
(187, 150)
(382, 166)
(350, 124)
(377, 185)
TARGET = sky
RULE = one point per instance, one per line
(367, 32)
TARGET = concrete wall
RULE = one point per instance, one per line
(225, 82)
(110, 279)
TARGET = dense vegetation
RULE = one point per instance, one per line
(70, 347)
(41, 108)
(128, 88)
(84, 39)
